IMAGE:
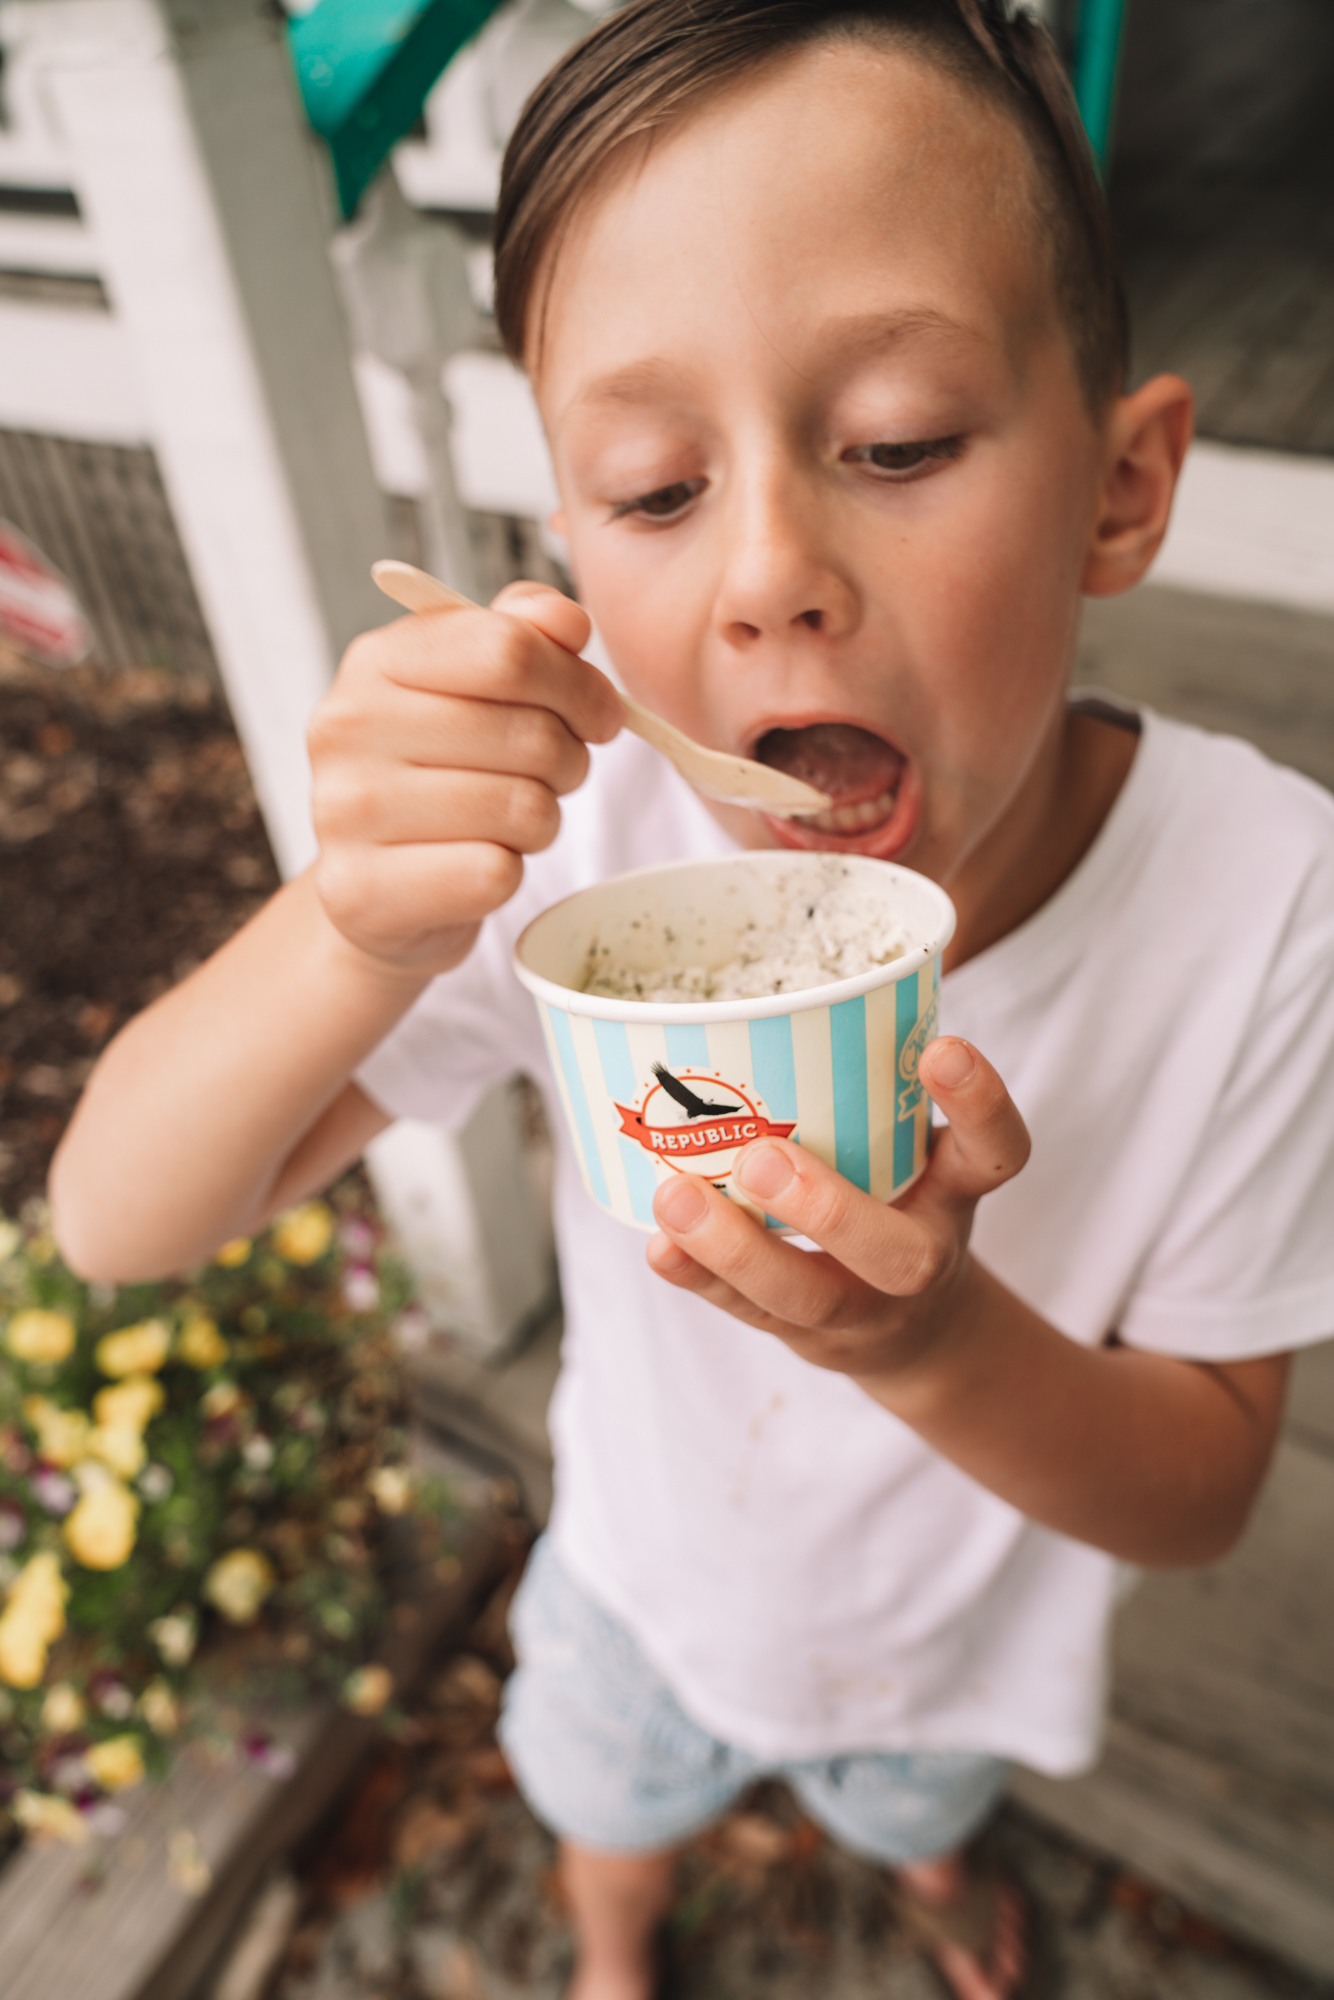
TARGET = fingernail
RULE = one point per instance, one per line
(764, 1171)
(951, 1064)
(681, 1205)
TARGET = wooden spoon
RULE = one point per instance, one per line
(736, 781)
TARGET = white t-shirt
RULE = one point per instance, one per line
(809, 1577)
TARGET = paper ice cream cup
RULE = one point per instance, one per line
(655, 1088)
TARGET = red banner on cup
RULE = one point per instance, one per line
(717, 1135)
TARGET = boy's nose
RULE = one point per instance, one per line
(780, 572)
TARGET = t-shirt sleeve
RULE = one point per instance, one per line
(470, 1029)
(1245, 1264)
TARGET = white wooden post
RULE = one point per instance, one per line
(203, 191)
(405, 287)
(212, 213)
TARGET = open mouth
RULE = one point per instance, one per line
(862, 774)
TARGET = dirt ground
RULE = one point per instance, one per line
(433, 1882)
(130, 847)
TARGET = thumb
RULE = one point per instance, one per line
(556, 616)
(987, 1142)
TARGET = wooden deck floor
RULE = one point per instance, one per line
(1218, 1776)
(1222, 188)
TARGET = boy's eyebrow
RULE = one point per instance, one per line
(868, 332)
(638, 382)
(650, 379)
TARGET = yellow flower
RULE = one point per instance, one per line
(100, 1530)
(367, 1690)
(391, 1488)
(116, 1764)
(63, 1711)
(134, 1350)
(234, 1253)
(40, 1336)
(305, 1233)
(200, 1343)
(39, 1590)
(174, 1637)
(224, 1399)
(32, 1618)
(22, 1652)
(119, 1446)
(160, 1709)
(45, 1813)
(238, 1584)
(62, 1435)
(132, 1402)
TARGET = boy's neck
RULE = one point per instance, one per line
(1045, 836)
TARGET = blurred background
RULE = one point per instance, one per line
(246, 347)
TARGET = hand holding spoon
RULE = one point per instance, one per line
(735, 781)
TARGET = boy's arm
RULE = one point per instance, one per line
(227, 1098)
(1154, 1459)
(439, 758)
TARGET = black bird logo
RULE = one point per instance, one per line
(693, 1106)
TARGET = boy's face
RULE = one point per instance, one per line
(822, 452)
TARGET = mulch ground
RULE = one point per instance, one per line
(131, 847)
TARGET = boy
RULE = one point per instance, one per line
(819, 310)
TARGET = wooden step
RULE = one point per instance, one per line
(1256, 1858)
(126, 1923)
(1218, 1775)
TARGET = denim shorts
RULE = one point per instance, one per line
(606, 1756)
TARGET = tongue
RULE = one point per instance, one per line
(848, 763)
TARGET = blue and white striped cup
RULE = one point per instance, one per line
(653, 1088)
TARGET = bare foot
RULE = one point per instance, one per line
(937, 1887)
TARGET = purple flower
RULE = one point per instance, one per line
(361, 1289)
(13, 1527)
(51, 1490)
(276, 1760)
(357, 1238)
(113, 1697)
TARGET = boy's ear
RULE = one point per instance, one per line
(1147, 436)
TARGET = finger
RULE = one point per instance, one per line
(456, 733)
(673, 1264)
(493, 657)
(888, 1249)
(987, 1142)
(796, 1287)
(388, 899)
(563, 621)
(409, 805)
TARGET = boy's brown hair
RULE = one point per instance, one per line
(655, 61)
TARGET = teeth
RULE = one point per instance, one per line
(852, 819)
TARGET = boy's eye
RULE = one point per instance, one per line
(662, 503)
(904, 458)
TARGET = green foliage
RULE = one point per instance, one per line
(178, 1462)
